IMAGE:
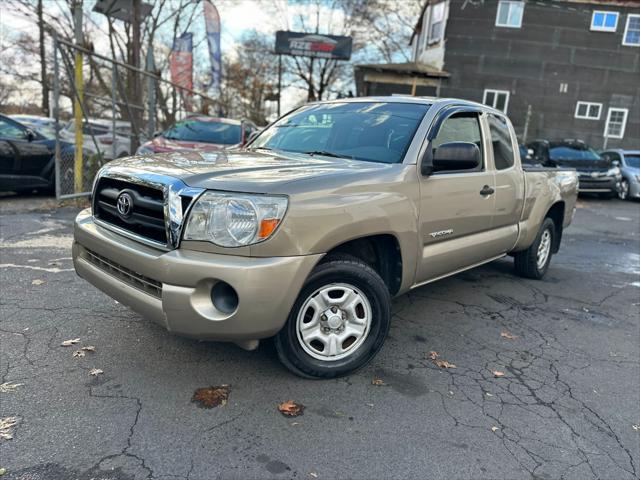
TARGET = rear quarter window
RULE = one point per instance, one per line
(501, 141)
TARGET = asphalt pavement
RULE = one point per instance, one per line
(567, 406)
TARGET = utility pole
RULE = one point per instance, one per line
(77, 107)
(279, 82)
(136, 97)
(43, 67)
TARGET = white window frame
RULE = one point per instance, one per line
(589, 105)
(624, 122)
(509, 3)
(496, 92)
(603, 28)
(440, 6)
(626, 29)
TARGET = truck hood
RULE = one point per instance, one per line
(245, 171)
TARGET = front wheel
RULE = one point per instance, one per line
(623, 192)
(534, 261)
(338, 322)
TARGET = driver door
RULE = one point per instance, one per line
(456, 207)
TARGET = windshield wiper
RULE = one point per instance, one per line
(326, 154)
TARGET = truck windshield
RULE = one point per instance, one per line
(369, 131)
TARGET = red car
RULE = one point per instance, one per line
(201, 133)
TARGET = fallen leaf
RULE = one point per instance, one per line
(37, 281)
(497, 373)
(371, 405)
(68, 343)
(95, 372)
(508, 335)
(3, 471)
(89, 348)
(291, 408)
(636, 427)
(489, 394)
(78, 353)
(209, 397)
(377, 381)
(6, 424)
(313, 474)
(493, 429)
(293, 424)
(432, 355)
(9, 387)
(444, 364)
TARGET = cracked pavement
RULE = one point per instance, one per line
(565, 408)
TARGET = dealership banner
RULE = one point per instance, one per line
(212, 24)
(313, 45)
(181, 66)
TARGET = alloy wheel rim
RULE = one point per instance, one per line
(334, 322)
(624, 190)
(544, 248)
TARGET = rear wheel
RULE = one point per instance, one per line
(339, 321)
(534, 261)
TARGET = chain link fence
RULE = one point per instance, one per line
(116, 113)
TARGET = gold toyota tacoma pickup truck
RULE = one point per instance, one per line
(307, 233)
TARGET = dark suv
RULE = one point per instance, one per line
(597, 174)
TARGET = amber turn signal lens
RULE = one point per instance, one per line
(267, 227)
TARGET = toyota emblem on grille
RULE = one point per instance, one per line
(124, 204)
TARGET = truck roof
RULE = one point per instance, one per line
(441, 102)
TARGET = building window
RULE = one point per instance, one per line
(498, 99)
(509, 14)
(588, 110)
(631, 35)
(616, 123)
(604, 21)
(436, 23)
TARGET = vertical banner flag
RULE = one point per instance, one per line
(181, 65)
(212, 24)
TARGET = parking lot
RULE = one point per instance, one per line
(566, 407)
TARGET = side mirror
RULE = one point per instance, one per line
(451, 156)
(615, 163)
(251, 137)
(30, 135)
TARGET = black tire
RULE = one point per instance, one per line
(526, 262)
(343, 269)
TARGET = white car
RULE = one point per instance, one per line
(101, 130)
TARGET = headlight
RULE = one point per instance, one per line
(234, 220)
(613, 172)
(144, 150)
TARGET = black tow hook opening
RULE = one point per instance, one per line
(224, 297)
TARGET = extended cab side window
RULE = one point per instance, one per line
(462, 127)
(501, 142)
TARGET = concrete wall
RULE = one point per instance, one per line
(554, 46)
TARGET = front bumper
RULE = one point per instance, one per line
(174, 288)
(598, 184)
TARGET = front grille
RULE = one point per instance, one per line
(146, 284)
(147, 210)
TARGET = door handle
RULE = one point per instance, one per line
(487, 190)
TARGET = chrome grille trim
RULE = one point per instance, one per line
(135, 280)
(174, 192)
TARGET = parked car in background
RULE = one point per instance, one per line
(27, 157)
(629, 163)
(110, 146)
(596, 173)
(201, 133)
(44, 125)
